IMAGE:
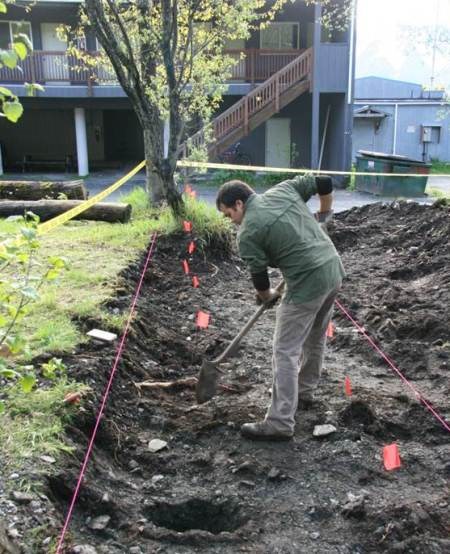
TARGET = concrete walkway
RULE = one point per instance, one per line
(98, 181)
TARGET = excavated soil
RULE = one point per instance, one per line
(212, 491)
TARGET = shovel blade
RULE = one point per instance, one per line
(208, 378)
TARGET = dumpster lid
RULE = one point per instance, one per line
(393, 157)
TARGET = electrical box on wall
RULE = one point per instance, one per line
(425, 135)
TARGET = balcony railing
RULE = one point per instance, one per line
(41, 66)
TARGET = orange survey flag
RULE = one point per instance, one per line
(191, 247)
(186, 267)
(195, 282)
(330, 330)
(348, 386)
(391, 457)
(202, 319)
(187, 226)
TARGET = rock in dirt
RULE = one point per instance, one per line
(48, 459)
(84, 549)
(22, 497)
(155, 445)
(99, 523)
(354, 507)
(324, 430)
(274, 474)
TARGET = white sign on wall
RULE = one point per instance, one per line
(411, 129)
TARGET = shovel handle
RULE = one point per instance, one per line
(237, 339)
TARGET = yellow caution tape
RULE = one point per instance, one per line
(210, 165)
(67, 216)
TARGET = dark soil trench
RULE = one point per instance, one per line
(210, 490)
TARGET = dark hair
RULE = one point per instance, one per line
(231, 191)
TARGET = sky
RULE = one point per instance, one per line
(382, 49)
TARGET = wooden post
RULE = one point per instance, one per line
(252, 65)
(277, 93)
(246, 115)
(33, 69)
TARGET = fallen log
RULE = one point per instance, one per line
(38, 190)
(47, 209)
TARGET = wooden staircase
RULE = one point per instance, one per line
(253, 109)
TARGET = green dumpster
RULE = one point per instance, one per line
(378, 162)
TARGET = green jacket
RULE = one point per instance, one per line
(278, 230)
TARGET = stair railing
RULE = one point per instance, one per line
(263, 95)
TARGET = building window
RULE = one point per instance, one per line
(9, 30)
(280, 36)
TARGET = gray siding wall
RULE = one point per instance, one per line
(332, 67)
(410, 118)
(333, 153)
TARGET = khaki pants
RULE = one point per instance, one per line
(299, 335)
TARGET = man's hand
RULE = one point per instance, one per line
(323, 218)
(267, 297)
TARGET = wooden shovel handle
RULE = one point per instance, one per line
(237, 339)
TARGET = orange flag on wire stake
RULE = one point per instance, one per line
(195, 282)
(188, 189)
(187, 226)
(191, 247)
(185, 267)
(193, 194)
(391, 457)
(202, 319)
(330, 330)
(347, 386)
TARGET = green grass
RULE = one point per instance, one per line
(33, 423)
(438, 167)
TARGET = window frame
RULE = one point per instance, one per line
(20, 22)
(280, 23)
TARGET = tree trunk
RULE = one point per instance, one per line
(47, 209)
(174, 198)
(154, 184)
(37, 190)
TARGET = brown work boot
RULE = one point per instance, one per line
(261, 430)
(208, 378)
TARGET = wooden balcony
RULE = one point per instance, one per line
(254, 65)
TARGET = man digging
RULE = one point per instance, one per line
(278, 230)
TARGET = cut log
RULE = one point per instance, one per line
(47, 209)
(38, 190)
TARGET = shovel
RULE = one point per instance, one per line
(209, 373)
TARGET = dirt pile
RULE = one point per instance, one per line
(398, 259)
(211, 491)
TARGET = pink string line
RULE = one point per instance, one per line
(393, 366)
(105, 397)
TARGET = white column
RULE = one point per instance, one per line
(394, 146)
(82, 149)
